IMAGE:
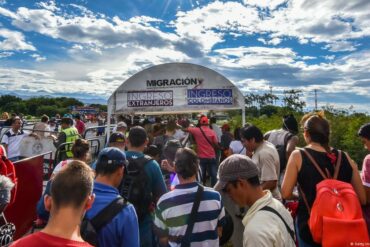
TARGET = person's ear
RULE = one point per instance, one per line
(48, 202)
(122, 171)
(242, 184)
(89, 202)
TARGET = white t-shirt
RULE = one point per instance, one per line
(60, 166)
(267, 159)
(264, 228)
(237, 147)
(217, 130)
(179, 135)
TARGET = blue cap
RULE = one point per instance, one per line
(112, 155)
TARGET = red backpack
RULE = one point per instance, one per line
(7, 169)
(335, 217)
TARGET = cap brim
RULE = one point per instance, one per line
(220, 185)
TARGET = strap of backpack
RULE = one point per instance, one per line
(241, 150)
(304, 199)
(185, 241)
(290, 231)
(337, 166)
(336, 172)
(313, 161)
(142, 161)
(210, 143)
(108, 213)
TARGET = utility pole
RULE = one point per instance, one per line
(315, 99)
(272, 100)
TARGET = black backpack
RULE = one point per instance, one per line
(91, 227)
(134, 186)
(280, 139)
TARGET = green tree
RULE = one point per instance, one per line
(102, 108)
(292, 100)
(16, 107)
(68, 102)
(5, 99)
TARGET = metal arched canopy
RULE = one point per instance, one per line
(173, 88)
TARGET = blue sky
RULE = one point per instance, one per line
(86, 49)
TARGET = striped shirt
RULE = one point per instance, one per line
(13, 140)
(173, 211)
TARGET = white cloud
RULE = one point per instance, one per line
(83, 9)
(306, 20)
(262, 40)
(7, 13)
(270, 4)
(333, 20)
(38, 58)
(101, 33)
(306, 57)
(48, 5)
(340, 46)
(207, 25)
(6, 54)
(331, 57)
(244, 57)
(146, 20)
(274, 41)
(14, 41)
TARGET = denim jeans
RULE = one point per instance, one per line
(301, 242)
(209, 165)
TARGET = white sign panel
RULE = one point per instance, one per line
(175, 87)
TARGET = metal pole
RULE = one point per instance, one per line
(108, 122)
(243, 116)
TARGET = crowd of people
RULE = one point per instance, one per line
(175, 183)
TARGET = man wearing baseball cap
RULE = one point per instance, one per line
(267, 222)
(123, 229)
(121, 127)
(207, 142)
(117, 140)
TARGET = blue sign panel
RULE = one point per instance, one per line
(210, 96)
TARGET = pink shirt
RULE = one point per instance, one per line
(43, 239)
(80, 126)
(204, 148)
(365, 175)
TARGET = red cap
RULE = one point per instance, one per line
(204, 120)
(226, 127)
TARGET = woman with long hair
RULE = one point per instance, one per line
(80, 150)
(301, 170)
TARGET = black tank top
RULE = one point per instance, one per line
(308, 177)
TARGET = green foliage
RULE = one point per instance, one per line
(14, 106)
(344, 127)
(37, 106)
(68, 102)
(103, 108)
(5, 99)
(292, 100)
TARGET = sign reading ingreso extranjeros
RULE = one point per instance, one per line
(178, 82)
(149, 98)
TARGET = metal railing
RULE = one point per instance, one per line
(60, 154)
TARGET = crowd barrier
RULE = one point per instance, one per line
(22, 212)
